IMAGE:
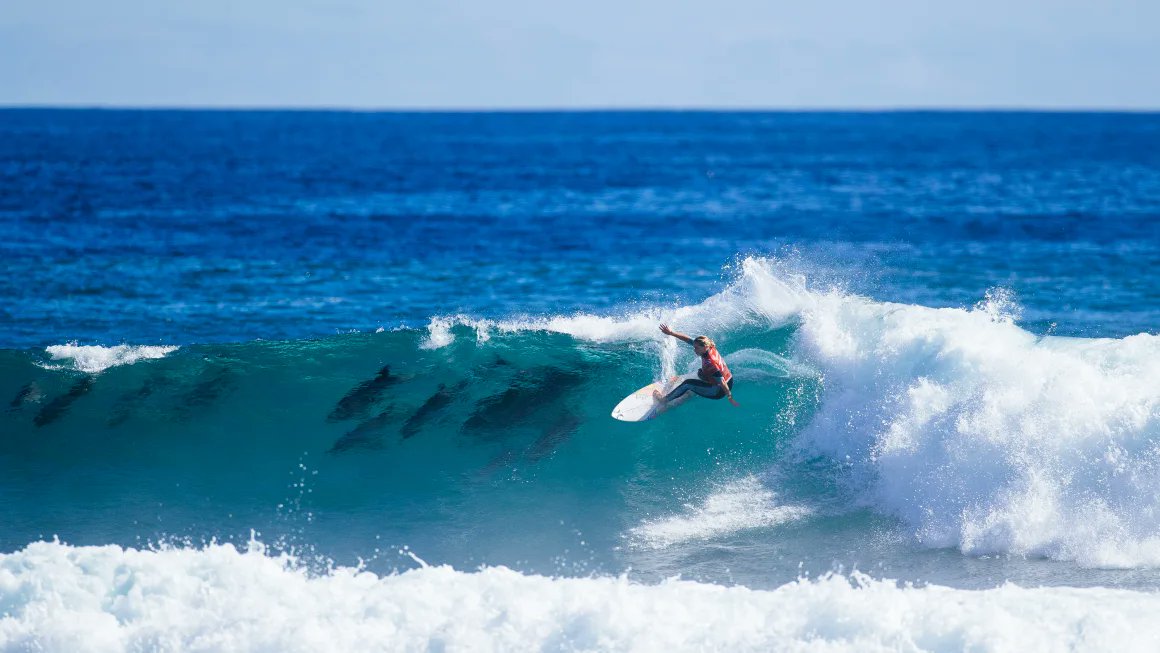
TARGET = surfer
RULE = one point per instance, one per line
(714, 381)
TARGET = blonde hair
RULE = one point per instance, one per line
(704, 341)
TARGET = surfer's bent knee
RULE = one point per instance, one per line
(700, 388)
(720, 394)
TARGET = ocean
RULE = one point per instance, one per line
(305, 381)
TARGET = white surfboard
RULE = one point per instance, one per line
(640, 406)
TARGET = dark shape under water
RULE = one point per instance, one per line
(434, 404)
(557, 433)
(506, 458)
(30, 393)
(530, 392)
(205, 393)
(125, 405)
(368, 435)
(564, 427)
(359, 400)
(59, 406)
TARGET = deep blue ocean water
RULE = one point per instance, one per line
(394, 339)
(185, 226)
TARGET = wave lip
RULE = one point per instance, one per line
(766, 293)
(93, 359)
(63, 598)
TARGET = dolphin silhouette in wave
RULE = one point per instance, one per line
(359, 400)
(368, 435)
(59, 406)
(532, 391)
(434, 404)
(30, 393)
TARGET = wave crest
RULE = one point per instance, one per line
(93, 359)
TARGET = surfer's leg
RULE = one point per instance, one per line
(676, 392)
(696, 386)
(718, 393)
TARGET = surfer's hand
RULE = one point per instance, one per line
(666, 330)
(733, 401)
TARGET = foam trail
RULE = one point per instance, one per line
(95, 358)
(107, 599)
(740, 505)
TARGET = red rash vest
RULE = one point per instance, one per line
(713, 366)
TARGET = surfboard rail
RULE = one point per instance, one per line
(640, 406)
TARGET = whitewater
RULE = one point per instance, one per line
(219, 598)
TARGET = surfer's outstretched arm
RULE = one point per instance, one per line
(676, 334)
(727, 390)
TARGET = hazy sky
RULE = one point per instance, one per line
(599, 53)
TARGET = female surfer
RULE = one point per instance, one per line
(714, 381)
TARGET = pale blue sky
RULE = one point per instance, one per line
(596, 54)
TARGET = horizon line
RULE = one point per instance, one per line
(580, 109)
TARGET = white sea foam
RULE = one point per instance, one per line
(740, 505)
(982, 436)
(438, 333)
(106, 599)
(95, 358)
(972, 431)
(439, 330)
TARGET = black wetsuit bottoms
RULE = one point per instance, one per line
(703, 388)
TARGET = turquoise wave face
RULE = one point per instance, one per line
(354, 442)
